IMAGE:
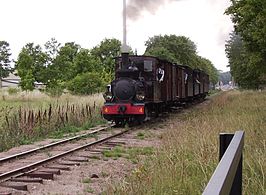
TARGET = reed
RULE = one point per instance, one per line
(24, 121)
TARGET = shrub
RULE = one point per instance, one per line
(86, 83)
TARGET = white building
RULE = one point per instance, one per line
(13, 81)
(10, 81)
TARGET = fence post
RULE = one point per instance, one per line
(225, 139)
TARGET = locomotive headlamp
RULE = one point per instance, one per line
(140, 97)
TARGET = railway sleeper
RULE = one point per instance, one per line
(5, 193)
(53, 171)
(63, 168)
(102, 147)
(43, 175)
(16, 186)
(27, 180)
(78, 159)
(67, 163)
(96, 150)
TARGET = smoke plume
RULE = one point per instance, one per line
(136, 7)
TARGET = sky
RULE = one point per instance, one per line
(88, 22)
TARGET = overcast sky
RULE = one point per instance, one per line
(87, 22)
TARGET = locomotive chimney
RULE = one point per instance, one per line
(125, 48)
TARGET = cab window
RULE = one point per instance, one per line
(147, 66)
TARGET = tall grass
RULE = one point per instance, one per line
(189, 152)
(28, 117)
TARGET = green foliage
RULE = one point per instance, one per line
(86, 83)
(86, 62)
(180, 50)
(249, 45)
(243, 69)
(27, 81)
(30, 66)
(208, 67)
(86, 180)
(177, 49)
(62, 68)
(105, 52)
(5, 54)
(51, 50)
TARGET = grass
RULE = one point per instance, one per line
(188, 155)
(86, 180)
(29, 117)
(89, 189)
(141, 135)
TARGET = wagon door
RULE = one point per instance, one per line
(174, 83)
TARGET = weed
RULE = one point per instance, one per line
(140, 135)
(86, 180)
(89, 189)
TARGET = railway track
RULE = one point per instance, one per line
(36, 165)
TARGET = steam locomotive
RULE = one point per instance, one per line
(146, 86)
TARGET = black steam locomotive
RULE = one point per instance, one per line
(146, 86)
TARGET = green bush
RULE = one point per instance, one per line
(13, 91)
(86, 83)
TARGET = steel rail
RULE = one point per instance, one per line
(5, 159)
(6, 176)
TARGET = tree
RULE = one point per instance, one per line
(62, 68)
(51, 49)
(31, 65)
(105, 52)
(207, 66)
(177, 49)
(86, 83)
(86, 62)
(5, 54)
(27, 81)
(180, 50)
(244, 71)
(249, 18)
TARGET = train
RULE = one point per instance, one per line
(146, 86)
